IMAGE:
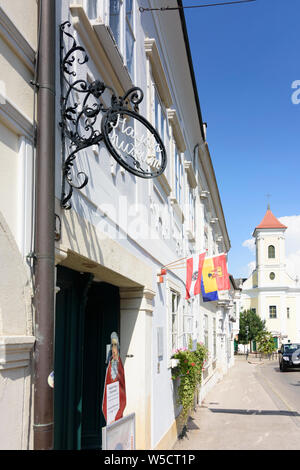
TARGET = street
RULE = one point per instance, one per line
(255, 406)
(284, 387)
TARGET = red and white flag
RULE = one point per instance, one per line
(194, 267)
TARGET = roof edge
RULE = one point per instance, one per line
(190, 61)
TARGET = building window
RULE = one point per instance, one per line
(272, 311)
(160, 120)
(187, 325)
(271, 251)
(214, 338)
(272, 276)
(92, 9)
(115, 20)
(206, 330)
(288, 312)
(130, 39)
(121, 22)
(206, 241)
(178, 175)
(192, 210)
(175, 298)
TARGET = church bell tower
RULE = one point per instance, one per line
(270, 251)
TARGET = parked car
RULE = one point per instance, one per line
(289, 356)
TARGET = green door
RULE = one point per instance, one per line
(101, 319)
(69, 328)
(86, 314)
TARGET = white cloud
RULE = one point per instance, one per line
(250, 244)
(251, 267)
(292, 245)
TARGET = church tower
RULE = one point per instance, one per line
(270, 291)
(270, 251)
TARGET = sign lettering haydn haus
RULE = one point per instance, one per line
(137, 147)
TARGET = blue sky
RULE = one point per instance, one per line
(246, 58)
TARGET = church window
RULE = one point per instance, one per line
(272, 276)
(288, 312)
(271, 251)
(272, 311)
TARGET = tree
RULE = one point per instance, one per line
(250, 326)
(265, 343)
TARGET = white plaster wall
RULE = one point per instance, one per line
(16, 344)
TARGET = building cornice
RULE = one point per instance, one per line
(15, 351)
(158, 71)
(272, 290)
(177, 132)
(14, 119)
(16, 41)
(188, 166)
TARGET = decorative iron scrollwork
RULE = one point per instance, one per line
(83, 115)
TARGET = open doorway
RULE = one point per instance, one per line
(87, 312)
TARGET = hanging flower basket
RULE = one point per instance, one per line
(189, 370)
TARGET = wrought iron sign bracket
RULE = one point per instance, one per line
(87, 121)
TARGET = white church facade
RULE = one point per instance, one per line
(270, 291)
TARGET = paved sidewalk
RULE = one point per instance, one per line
(242, 413)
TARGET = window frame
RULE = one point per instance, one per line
(87, 4)
(192, 209)
(178, 176)
(206, 331)
(103, 9)
(271, 252)
(214, 338)
(187, 324)
(131, 28)
(176, 295)
(160, 116)
(272, 311)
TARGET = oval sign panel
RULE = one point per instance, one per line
(134, 142)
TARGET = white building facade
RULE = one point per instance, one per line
(119, 231)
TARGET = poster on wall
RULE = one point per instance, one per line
(120, 435)
(114, 396)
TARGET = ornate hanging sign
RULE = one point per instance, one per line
(86, 120)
